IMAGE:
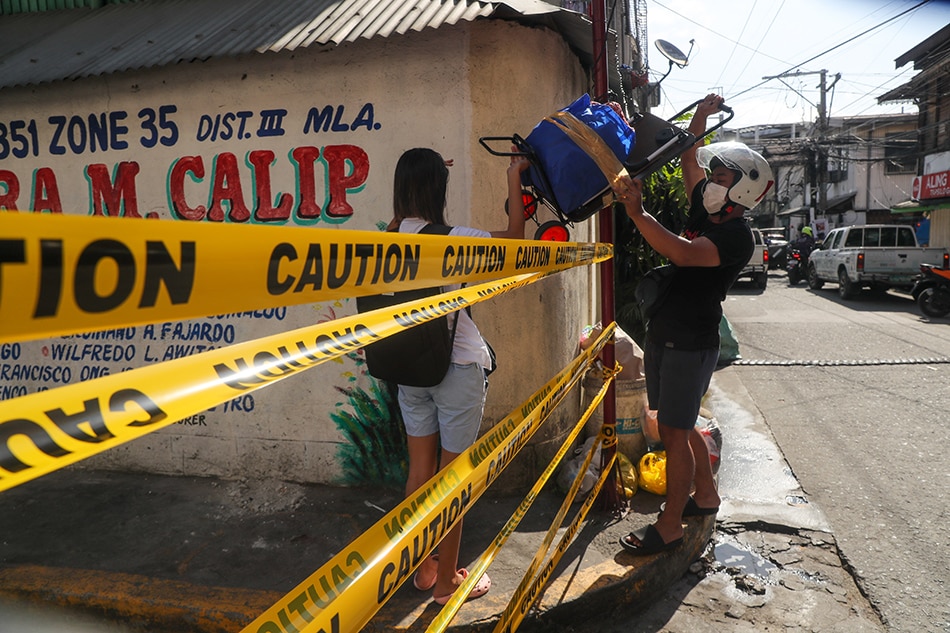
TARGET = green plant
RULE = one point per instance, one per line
(375, 448)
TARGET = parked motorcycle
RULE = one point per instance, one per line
(931, 291)
(796, 266)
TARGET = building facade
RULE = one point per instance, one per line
(855, 172)
(930, 91)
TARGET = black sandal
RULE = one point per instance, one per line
(650, 542)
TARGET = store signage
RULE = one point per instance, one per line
(932, 186)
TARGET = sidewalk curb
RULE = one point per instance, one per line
(139, 599)
(649, 577)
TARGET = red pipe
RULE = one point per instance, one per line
(609, 498)
(598, 15)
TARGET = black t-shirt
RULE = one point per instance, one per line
(689, 316)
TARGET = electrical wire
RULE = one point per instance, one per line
(759, 44)
(837, 46)
(736, 44)
(728, 39)
(875, 89)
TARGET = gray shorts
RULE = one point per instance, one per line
(453, 408)
(677, 380)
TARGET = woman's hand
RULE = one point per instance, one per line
(516, 212)
(518, 163)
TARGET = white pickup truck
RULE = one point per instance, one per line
(757, 270)
(878, 256)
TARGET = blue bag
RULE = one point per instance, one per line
(563, 173)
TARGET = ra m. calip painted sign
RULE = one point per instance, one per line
(224, 187)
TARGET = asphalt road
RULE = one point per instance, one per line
(866, 433)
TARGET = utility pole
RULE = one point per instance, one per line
(821, 155)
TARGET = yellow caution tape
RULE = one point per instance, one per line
(444, 618)
(344, 593)
(62, 274)
(534, 591)
(517, 598)
(48, 430)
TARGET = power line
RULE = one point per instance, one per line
(706, 28)
(837, 46)
(778, 11)
(733, 51)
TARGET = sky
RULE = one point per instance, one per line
(739, 42)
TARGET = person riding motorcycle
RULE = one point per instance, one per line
(806, 243)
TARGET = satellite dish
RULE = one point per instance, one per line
(676, 57)
(672, 53)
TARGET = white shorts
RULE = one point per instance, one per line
(453, 408)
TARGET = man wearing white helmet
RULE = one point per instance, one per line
(681, 350)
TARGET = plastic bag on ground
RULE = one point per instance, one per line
(653, 472)
(709, 429)
(707, 425)
(628, 476)
(572, 465)
(728, 345)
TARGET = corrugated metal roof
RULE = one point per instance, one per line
(9, 7)
(71, 44)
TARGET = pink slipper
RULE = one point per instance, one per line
(429, 585)
(479, 590)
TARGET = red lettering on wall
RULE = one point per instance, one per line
(46, 191)
(10, 186)
(227, 188)
(111, 199)
(337, 157)
(262, 161)
(113, 191)
(176, 187)
(307, 207)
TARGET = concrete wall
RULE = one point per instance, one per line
(940, 228)
(876, 188)
(439, 88)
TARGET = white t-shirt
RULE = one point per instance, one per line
(469, 345)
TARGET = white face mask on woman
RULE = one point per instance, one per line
(715, 197)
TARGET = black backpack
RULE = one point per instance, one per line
(419, 356)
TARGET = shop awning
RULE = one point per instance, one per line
(912, 206)
(841, 203)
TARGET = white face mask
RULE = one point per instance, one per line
(714, 197)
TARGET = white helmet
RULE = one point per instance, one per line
(754, 176)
